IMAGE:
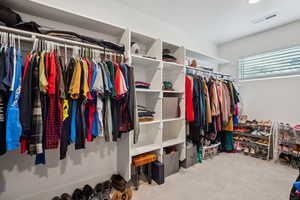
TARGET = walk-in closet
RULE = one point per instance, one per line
(140, 100)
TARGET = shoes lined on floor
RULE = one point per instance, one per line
(102, 191)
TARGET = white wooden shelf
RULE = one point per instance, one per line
(151, 122)
(205, 57)
(176, 92)
(173, 119)
(145, 149)
(172, 65)
(147, 90)
(138, 60)
(173, 142)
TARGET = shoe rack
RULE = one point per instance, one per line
(255, 139)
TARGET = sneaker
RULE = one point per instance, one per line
(252, 151)
(238, 146)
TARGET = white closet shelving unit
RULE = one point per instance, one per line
(155, 135)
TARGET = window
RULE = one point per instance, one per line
(272, 64)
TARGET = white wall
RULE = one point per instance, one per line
(111, 11)
(276, 99)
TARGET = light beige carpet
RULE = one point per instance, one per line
(226, 177)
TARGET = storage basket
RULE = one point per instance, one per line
(210, 151)
(171, 162)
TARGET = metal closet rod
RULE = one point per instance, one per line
(206, 71)
(50, 38)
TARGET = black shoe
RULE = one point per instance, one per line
(78, 195)
(118, 182)
(56, 198)
(106, 190)
(65, 196)
(98, 190)
(88, 192)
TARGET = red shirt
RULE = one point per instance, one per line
(52, 75)
(189, 99)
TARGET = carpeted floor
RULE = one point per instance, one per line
(226, 177)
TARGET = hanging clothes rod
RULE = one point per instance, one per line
(34, 36)
(206, 71)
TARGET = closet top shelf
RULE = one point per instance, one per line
(30, 36)
(43, 10)
(204, 56)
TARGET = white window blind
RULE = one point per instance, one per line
(276, 63)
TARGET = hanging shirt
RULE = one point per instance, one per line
(52, 76)
(112, 71)
(75, 82)
(189, 99)
(13, 126)
(85, 79)
(120, 84)
(13, 70)
(8, 68)
(43, 83)
(98, 88)
(207, 103)
(214, 101)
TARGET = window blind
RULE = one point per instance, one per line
(276, 63)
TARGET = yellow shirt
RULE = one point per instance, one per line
(75, 82)
(85, 83)
(43, 83)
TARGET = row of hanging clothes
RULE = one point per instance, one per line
(211, 108)
(51, 99)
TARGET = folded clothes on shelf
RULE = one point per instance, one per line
(141, 84)
(144, 114)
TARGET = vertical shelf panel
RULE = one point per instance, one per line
(149, 139)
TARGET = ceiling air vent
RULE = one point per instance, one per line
(265, 18)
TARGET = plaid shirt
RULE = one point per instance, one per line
(36, 138)
(54, 117)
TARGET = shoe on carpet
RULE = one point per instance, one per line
(56, 198)
(65, 196)
(106, 190)
(252, 151)
(246, 150)
(78, 195)
(118, 182)
(88, 192)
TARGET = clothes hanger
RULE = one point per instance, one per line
(34, 45)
